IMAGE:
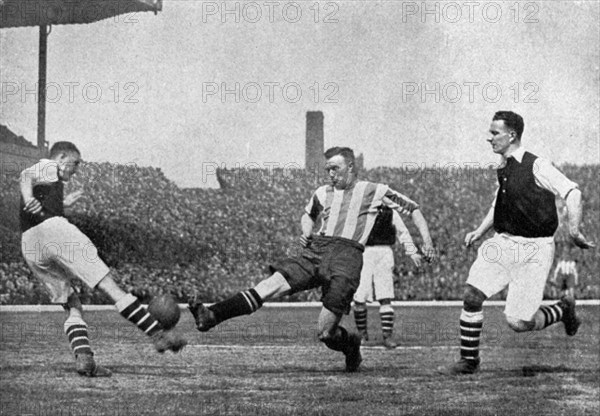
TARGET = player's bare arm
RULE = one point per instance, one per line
(307, 224)
(574, 211)
(486, 224)
(417, 260)
(556, 271)
(405, 239)
(32, 205)
(410, 249)
(72, 198)
(428, 249)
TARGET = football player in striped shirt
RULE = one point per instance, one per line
(55, 250)
(331, 257)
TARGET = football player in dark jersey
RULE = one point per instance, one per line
(56, 250)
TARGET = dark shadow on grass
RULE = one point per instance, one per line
(154, 370)
(299, 371)
(293, 370)
(533, 370)
(35, 367)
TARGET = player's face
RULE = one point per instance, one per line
(340, 173)
(500, 138)
(68, 164)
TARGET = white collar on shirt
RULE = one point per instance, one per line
(517, 154)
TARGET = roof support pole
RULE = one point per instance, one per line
(41, 132)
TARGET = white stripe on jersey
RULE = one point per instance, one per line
(375, 203)
(334, 211)
(353, 213)
(567, 267)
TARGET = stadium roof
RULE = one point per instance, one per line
(45, 13)
(7, 136)
(19, 13)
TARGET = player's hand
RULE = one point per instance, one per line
(72, 198)
(417, 259)
(305, 241)
(580, 241)
(472, 237)
(429, 252)
(33, 206)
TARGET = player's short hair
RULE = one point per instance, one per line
(63, 147)
(511, 120)
(346, 152)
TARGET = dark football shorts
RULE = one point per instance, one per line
(566, 282)
(332, 263)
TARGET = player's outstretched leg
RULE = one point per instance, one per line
(563, 311)
(386, 312)
(471, 324)
(243, 303)
(360, 318)
(77, 332)
(337, 338)
(131, 309)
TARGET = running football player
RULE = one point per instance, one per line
(520, 253)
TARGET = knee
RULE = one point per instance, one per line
(325, 335)
(273, 287)
(473, 299)
(518, 325)
(326, 332)
(359, 306)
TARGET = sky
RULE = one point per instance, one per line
(228, 83)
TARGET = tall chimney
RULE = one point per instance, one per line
(315, 144)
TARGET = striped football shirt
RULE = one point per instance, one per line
(566, 268)
(350, 213)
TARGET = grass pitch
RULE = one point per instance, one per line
(271, 363)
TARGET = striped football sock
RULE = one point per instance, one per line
(386, 312)
(243, 303)
(76, 330)
(547, 315)
(360, 317)
(131, 309)
(471, 324)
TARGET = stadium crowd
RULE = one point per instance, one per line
(210, 242)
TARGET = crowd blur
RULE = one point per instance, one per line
(210, 243)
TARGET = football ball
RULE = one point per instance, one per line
(165, 309)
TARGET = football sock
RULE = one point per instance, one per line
(338, 342)
(76, 330)
(386, 312)
(243, 303)
(547, 315)
(360, 317)
(131, 309)
(471, 324)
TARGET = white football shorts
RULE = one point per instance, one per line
(57, 251)
(520, 263)
(377, 275)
